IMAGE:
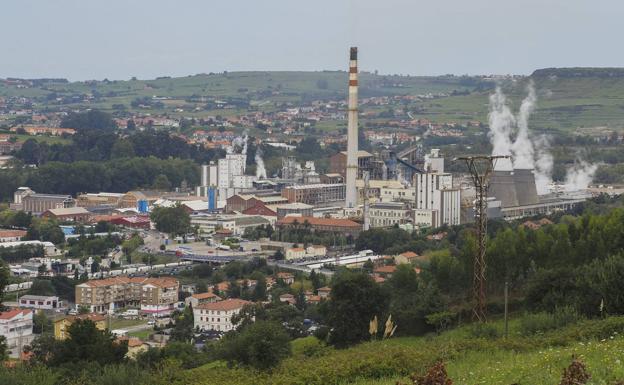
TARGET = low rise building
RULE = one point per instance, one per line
(388, 214)
(39, 203)
(315, 194)
(217, 316)
(62, 325)
(295, 253)
(11, 235)
(200, 299)
(297, 209)
(17, 327)
(343, 226)
(41, 302)
(69, 214)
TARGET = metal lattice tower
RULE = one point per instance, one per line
(480, 168)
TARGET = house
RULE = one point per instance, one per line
(69, 214)
(385, 271)
(288, 298)
(11, 235)
(324, 292)
(61, 325)
(218, 315)
(316, 251)
(40, 302)
(288, 278)
(135, 346)
(201, 298)
(295, 253)
(17, 327)
(407, 257)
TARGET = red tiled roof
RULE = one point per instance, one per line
(385, 269)
(205, 295)
(12, 233)
(409, 254)
(13, 313)
(319, 222)
(228, 304)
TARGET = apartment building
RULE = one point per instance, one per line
(153, 295)
(17, 327)
(218, 315)
(389, 214)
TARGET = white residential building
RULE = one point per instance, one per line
(218, 315)
(40, 302)
(17, 327)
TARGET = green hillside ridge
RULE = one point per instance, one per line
(530, 360)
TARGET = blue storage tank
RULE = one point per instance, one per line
(142, 206)
(212, 198)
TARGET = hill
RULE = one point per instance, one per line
(471, 358)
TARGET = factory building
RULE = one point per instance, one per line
(388, 214)
(315, 194)
(338, 163)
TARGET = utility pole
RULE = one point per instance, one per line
(506, 310)
(480, 168)
(365, 211)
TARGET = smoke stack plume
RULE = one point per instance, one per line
(260, 169)
(352, 131)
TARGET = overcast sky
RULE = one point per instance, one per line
(118, 39)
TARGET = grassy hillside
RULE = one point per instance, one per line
(533, 360)
(584, 104)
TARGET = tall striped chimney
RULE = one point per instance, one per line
(352, 132)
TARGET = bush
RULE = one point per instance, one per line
(542, 322)
(484, 330)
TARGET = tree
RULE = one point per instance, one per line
(356, 299)
(262, 345)
(89, 120)
(183, 329)
(161, 183)
(279, 255)
(42, 324)
(122, 148)
(5, 276)
(4, 349)
(171, 220)
(85, 343)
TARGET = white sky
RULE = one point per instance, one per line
(118, 39)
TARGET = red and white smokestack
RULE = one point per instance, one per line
(352, 132)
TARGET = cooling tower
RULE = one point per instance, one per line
(526, 191)
(503, 188)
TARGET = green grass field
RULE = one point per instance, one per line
(533, 360)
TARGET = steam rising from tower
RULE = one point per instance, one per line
(352, 131)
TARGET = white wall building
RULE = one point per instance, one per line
(17, 327)
(434, 191)
(40, 302)
(388, 214)
(218, 315)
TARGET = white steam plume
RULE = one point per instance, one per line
(579, 176)
(522, 148)
(501, 121)
(543, 164)
(238, 142)
(529, 152)
(260, 169)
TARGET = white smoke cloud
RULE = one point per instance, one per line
(501, 121)
(238, 144)
(522, 148)
(260, 169)
(543, 164)
(510, 135)
(579, 176)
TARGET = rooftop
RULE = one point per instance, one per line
(68, 211)
(228, 304)
(320, 222)
(13, 313)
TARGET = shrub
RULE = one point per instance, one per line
(484, 330)
(542, 322)
(436, 375)
(575, 374)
